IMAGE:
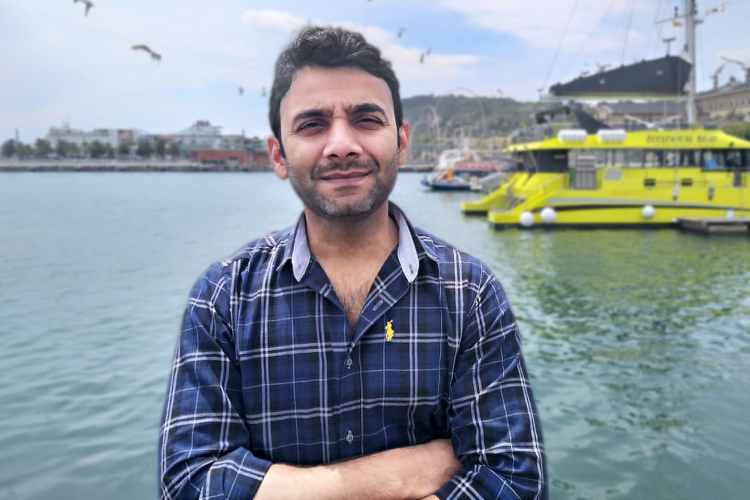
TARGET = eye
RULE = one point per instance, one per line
(370, 121)
(309, 126)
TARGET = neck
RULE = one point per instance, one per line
(373, 237)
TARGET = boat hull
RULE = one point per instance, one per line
(623, 198)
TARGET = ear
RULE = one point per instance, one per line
(403, 151)
(278, 161)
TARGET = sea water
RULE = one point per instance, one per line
(637, 342)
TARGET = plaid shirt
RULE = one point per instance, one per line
(268, 370)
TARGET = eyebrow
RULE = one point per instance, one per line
(366, 107)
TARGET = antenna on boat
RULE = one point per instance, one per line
(691, 21)
(668, 41)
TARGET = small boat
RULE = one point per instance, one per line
(460, 170)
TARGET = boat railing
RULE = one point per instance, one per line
(541, 192)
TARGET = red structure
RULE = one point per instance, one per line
(225, 157)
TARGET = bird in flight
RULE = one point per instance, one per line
(425, 54)
(500, 92)
(716, 10)
(401, 31)
(242, 91)
(145, 48)
(87, 3)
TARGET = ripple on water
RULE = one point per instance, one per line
(637, 343)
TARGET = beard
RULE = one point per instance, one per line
(344, 207)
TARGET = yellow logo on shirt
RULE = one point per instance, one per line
(389, 330)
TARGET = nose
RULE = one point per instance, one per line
(342, 141)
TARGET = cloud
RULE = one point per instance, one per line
(273, 20)
(544, 24)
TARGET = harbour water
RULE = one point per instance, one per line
(638, 342)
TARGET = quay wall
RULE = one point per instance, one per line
(124, 166)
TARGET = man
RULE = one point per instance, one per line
(350, 356)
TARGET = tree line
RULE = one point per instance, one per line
(42, 148)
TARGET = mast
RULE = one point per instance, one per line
(690, 22)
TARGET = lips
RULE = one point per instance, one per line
(349, 174)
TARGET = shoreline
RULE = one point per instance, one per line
(125, 166)
(149, 166)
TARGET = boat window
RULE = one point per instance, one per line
(735, 159)
(634, 158)
(712, 158)
(552, 161)
(688, 158)
(652, 159)
(619, 158)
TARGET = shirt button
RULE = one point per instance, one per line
(349, 437)
(349, 362)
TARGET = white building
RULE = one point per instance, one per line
(110, 136)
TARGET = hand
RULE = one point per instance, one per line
(429, 466)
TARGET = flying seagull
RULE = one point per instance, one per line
(241, 91)
(428, 51)
(401, 31)
(87, 3)
(500, 92)
(715, 10)
(154, 55)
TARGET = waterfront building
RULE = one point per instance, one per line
(730, 102)
(624, 113)
(107, 136)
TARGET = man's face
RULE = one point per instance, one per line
(341, 143)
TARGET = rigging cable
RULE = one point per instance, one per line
(627, 32)
(593, 32)
(660, 26)
(565, 32)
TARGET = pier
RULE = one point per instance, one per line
(109, 165)
(713, 225)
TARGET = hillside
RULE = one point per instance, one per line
(502, 115)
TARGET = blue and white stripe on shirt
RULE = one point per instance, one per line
(268, 370)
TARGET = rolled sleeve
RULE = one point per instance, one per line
(495, 425)
(204, 445)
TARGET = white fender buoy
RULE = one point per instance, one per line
(548, 215)
(527, 219)
(648, 212)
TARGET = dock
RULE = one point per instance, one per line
(713, 225)
(123, 165)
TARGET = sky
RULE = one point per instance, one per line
(59, 64)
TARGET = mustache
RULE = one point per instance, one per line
(321, 170)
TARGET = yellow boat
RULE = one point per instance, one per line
(601, 177)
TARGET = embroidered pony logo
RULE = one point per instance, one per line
(389, 331)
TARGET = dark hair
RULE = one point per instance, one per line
(328, 48)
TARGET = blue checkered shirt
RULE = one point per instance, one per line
(268, 370)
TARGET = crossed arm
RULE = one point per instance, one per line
(202, 447)
(399, 474)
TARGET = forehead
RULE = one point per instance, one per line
(333, 89)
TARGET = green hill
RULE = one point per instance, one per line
(502, 115)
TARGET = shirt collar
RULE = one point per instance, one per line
(408, 257)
